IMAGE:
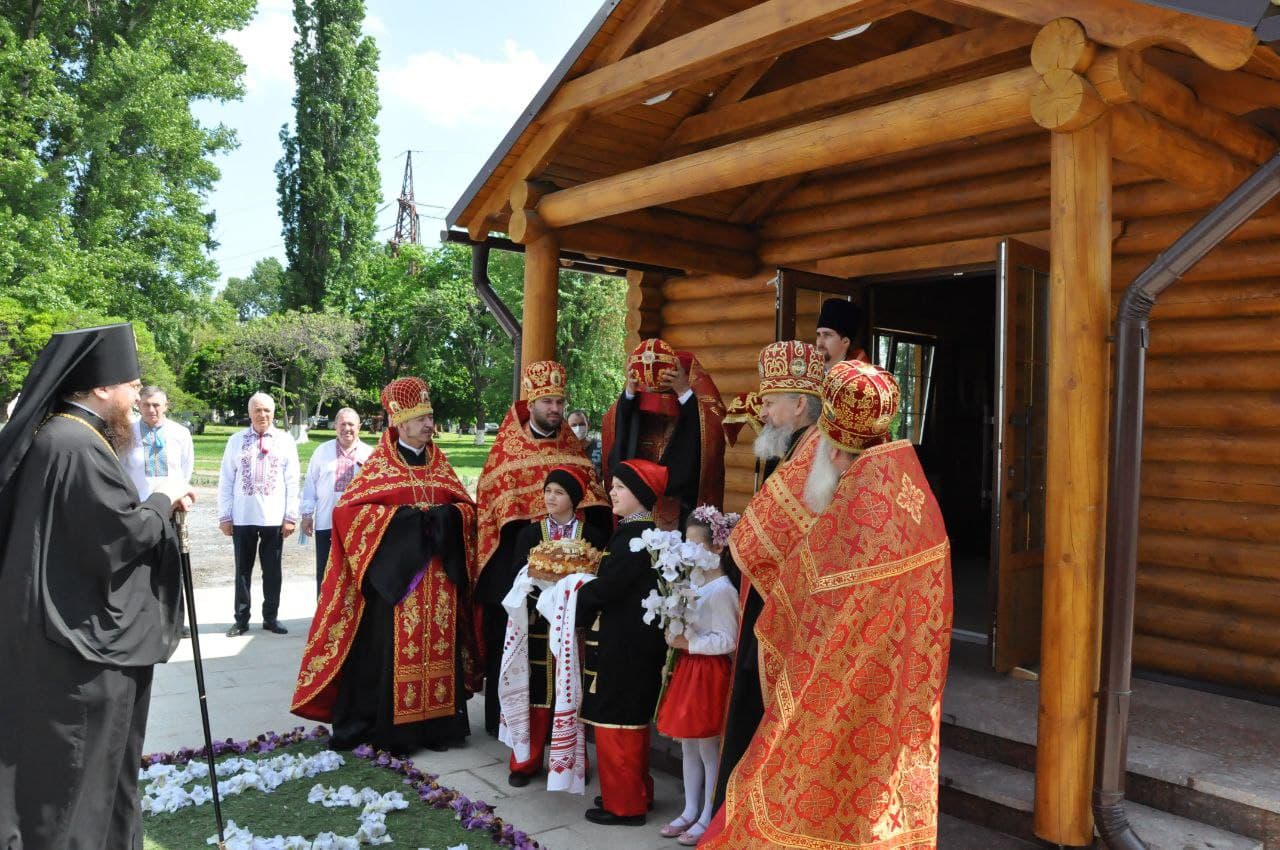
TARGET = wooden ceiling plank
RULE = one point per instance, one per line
(953, 13)
(767, 29)
(879, 75)
(741, 83)
(1125, 24)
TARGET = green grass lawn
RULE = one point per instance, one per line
(287, 812)
(466, 457)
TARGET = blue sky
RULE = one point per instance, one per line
(452, 78)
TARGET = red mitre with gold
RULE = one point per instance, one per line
(791, 367)
(649, 365)
(744, 409)
(510, 486)
(406, 398)
(859, 402)
(543, 379)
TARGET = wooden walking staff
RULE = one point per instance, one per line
(184, 546)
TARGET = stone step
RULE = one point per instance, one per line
(1001, 797)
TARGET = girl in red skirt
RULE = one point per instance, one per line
(693, 708)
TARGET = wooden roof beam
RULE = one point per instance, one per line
(1066, 101)
(973, 108)
(1236, 93)
(1172, 153)
(767, 29)
(1128, 24)
(549, 135)
(861, 81)
(1121, 76)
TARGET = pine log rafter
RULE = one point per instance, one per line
(726, 60)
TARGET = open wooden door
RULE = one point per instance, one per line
(800, 297)
(1018, 459)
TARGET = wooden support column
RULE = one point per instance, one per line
(541, 298)
(541, 276)
(1075, 475)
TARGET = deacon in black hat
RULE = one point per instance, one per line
(90, 598)
(840, 333)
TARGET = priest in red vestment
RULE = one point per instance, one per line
(391, 650)
(532, 441)
(775, 519)
(670, 413)
(854, 641)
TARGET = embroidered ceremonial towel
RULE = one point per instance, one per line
(567, 761)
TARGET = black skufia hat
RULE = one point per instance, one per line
(70, 362)
(843, 317)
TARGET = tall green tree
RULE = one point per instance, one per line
(299, 355)
(124, 165)
(260, 294)
(328, 176)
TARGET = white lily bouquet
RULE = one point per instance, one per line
(680, 565)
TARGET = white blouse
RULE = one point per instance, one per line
(714, 626)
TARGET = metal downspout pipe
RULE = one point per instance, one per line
(1125, 472)
(484, 288)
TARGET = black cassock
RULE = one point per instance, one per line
(682, 455)
(746, 705)
(90, 600)
(362, 711)
(541, 662)
(622, 669)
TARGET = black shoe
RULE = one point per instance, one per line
(518, 780)
(607, 818)
(599, 801)
(275, 628)
(436, 747)
(186, 631)
(237, 630)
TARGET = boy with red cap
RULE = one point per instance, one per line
(562, 492)
(624, 656)
(531, 442)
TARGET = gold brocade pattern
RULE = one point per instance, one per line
(776, 518)
(511, 482)
(854, 643)
(426, 622)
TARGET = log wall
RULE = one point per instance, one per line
(1209, 577)
(1209, 546)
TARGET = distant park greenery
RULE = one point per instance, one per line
(104, 179)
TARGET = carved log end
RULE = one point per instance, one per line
(1064, 102)
(1062, 45)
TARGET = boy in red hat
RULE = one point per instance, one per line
(624, 656)
(562, 492)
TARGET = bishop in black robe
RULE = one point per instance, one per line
(90, 599)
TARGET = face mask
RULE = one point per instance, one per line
(580, 431)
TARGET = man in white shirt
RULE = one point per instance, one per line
(161, 447)
(329, 471)
(258, 507)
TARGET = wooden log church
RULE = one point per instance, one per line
(984, 177)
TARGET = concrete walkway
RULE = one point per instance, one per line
(250, 681)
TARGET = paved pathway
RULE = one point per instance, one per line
(250, 681)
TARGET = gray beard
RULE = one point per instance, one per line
(820, 486)
(773, 442)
